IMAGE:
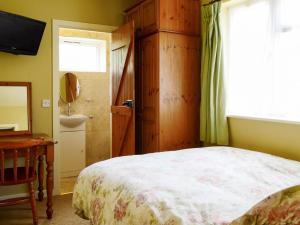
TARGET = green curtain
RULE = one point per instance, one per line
(213, 121)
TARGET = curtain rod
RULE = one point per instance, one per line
(212, 2)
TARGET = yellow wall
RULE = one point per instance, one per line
(38, 69)
(14, 115)
(278, 138)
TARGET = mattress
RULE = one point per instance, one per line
(209, 186)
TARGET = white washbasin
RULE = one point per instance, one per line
(73, 120)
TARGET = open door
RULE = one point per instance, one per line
(123, 95)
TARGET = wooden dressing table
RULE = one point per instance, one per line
(46, 151)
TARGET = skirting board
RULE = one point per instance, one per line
(73, 173)
(21, 195)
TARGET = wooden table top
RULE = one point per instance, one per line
(20, 140)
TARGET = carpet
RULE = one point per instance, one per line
(63, 213)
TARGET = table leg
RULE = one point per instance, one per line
(41, 178)
(49, 160)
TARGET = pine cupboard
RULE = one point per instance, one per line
(179, 16)
(167, 74)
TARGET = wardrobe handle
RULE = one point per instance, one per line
(129, 103)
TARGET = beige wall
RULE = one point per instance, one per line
(94, 101)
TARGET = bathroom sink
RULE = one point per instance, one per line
(73, 120)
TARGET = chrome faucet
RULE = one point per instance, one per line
(69, 109)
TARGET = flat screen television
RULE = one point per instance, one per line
(20, 35)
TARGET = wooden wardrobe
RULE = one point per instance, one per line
(167, 76)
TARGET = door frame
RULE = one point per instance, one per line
(56, 25)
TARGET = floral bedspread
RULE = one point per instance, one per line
(205, 186)
(282, 208)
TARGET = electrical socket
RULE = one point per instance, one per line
(46, 103)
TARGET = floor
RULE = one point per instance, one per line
(63, 213)
(67, 185)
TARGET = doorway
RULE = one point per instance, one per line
(82, 50)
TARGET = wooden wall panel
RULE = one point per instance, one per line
(179, 91)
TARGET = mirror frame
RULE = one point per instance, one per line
(29, 108)
(76, 97)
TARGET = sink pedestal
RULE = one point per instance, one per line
(73, 144)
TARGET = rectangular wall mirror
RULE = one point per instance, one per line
(15, 108)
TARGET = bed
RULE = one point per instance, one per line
(203, 186)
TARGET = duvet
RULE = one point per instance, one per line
(204, 186)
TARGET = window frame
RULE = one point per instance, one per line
(88, 42)
(225, 24)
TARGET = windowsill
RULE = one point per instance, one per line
(264, 119)
(81, 71)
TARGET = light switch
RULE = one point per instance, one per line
(46, 103)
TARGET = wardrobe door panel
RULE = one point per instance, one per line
(179, 91)
(135, 15)
(149, 12)
(182, 16)
(150, 93)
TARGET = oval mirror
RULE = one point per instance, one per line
(69, 87)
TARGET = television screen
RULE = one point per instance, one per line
(20, 35)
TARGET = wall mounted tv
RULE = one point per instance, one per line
(20, 35)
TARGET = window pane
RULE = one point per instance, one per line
(83, 55)
(288, 12)
(262, 60)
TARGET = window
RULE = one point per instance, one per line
(262, 58)
(82, 54)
